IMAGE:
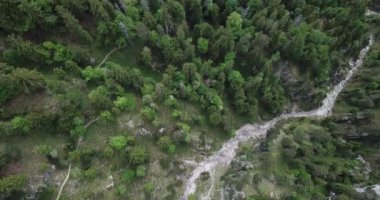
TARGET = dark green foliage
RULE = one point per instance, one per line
(79, 128)
(55, 53)
(12, 183)
(149, 113)
(128, 175)
(46, 193)
(99, 98)
(83, 157)
(90, 173)
(8, 153)
(180, 62)
(149, 187)
(311, 161)
(72, 23)
(174, 10)
(21, 124)
(90, 73)
(14, 81)
(146, 56)
(140, 171)
(272, 95)
(202, 45)
(166, 144)
(137, 155)
(43, 149)
(7, 88)
(234, 22)
(118, 142)
(125, 76)
(24, 52)
(22, 16)
(31, 80)
(126, 102)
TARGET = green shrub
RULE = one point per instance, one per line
(202, 45)
(21, 123)
(76, 172)
(215, 118)
(171, 101)
(341, 188)
(140, 171)
(172, 148)
(59, 72)
(137, 155)
(118, 142)
(108, 152)
(7, 88)
(90, 173)
(149, 187)
(90, 73)
(176, 114)
(12, 183)
(147, 100)
(149, 113)
(287, 142)
(84, 156)
(128, 176)
(146, 56)
(6, 129)
(106, 115)
(43, 149)
(8, 153)
(166, 144)
(46, 193)
(99, 98)
(127, 102)
(121, 190)
(79, 127)
(54, 53)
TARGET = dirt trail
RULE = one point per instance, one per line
(106, 57)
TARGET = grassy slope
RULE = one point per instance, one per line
(99, 133)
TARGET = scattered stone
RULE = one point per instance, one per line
(353, 135)
(31, 196)
(374, 189)
(272, 195)
(47, 179)
(344, 117)
(110, 182)
(93, 60)
(130, 124)
(54, 153)
(366, 167)
(143, 132)
(230, 192)
(162, 130)
(181, 167)
(361, 115)
(190, 162)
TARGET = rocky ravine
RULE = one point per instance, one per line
(222, 158)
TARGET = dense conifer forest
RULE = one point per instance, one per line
(117, 99)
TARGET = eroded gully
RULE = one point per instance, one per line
(223, 157)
